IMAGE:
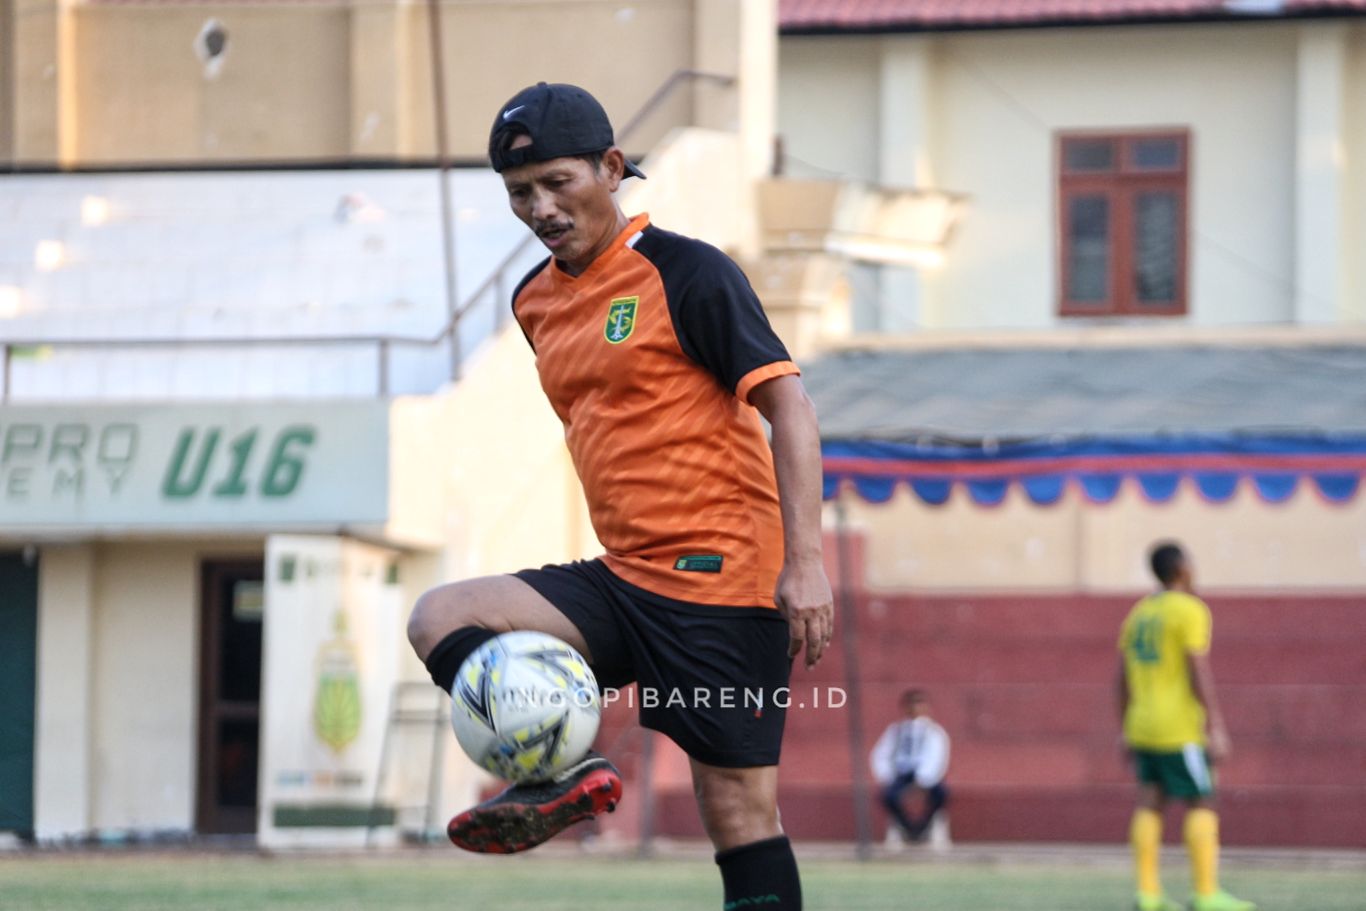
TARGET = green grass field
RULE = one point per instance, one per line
(438, 879)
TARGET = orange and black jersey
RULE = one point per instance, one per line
(648, 358)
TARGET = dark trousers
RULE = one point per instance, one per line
(935, 799)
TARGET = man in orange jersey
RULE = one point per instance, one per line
(1173, 729)
(655, 354)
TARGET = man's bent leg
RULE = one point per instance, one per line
(935, 798)
(499, 604)
(449, 622)
(891, 801)
(739, 809)
(446, 626)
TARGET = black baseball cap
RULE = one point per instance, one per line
(562, 120)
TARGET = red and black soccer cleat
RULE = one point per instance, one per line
(525, 815)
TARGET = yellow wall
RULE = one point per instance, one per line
(828, 94)
(32, 57)
(65, 689)
(6, 82)
(142, 94)
(511, 497)
(145, 654)
(695, 186)
(121, 84)
(493, 49)
(118, 683)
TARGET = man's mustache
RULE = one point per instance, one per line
(542, 228)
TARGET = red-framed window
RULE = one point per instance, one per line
(1122, 210)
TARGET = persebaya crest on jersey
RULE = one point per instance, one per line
(621, 319)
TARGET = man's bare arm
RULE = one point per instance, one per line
(1122, 691)
(1122, 703)
(1202, 684)
(803, 592)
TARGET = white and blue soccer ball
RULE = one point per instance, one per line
(525, 706)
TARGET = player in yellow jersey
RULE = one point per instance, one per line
(1174, 730)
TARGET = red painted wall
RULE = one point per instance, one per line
(1024, 685)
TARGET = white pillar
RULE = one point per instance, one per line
(1320, 173)
(64, 722)
(739, 38)
(759, 85)
(904, 160)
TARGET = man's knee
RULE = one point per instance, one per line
(737, 810)
(896, 788)
(421, 622)
(437, 613)
(731, 822)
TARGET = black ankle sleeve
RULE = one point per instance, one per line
(762, 874)
(444, 661)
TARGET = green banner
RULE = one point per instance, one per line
(201, 465)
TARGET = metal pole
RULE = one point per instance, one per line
(440, 727)
(383, 369)
(443, 161)
(848, 623)
(372, 818)
(646, 787)
(502, 307)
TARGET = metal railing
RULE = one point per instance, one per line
(497, 285)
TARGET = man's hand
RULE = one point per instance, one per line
(1218, 746)
(1126, 752)
(803, 595)
(803, 592)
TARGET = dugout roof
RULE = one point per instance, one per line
(1159, 416)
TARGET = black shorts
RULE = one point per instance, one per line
(713, 679)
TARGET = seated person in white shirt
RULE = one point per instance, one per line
(912, 753)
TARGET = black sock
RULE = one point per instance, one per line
(444, 661)
(761, 875)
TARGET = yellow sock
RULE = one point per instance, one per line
(1145, 835)
(1202, 841)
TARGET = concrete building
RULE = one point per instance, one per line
(1148, 190)
(1228, 156)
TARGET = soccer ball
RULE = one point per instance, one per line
(524, 706)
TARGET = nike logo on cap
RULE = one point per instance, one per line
(510, 111)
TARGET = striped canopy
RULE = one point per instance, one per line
(1205, 417)
(1212, 466)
